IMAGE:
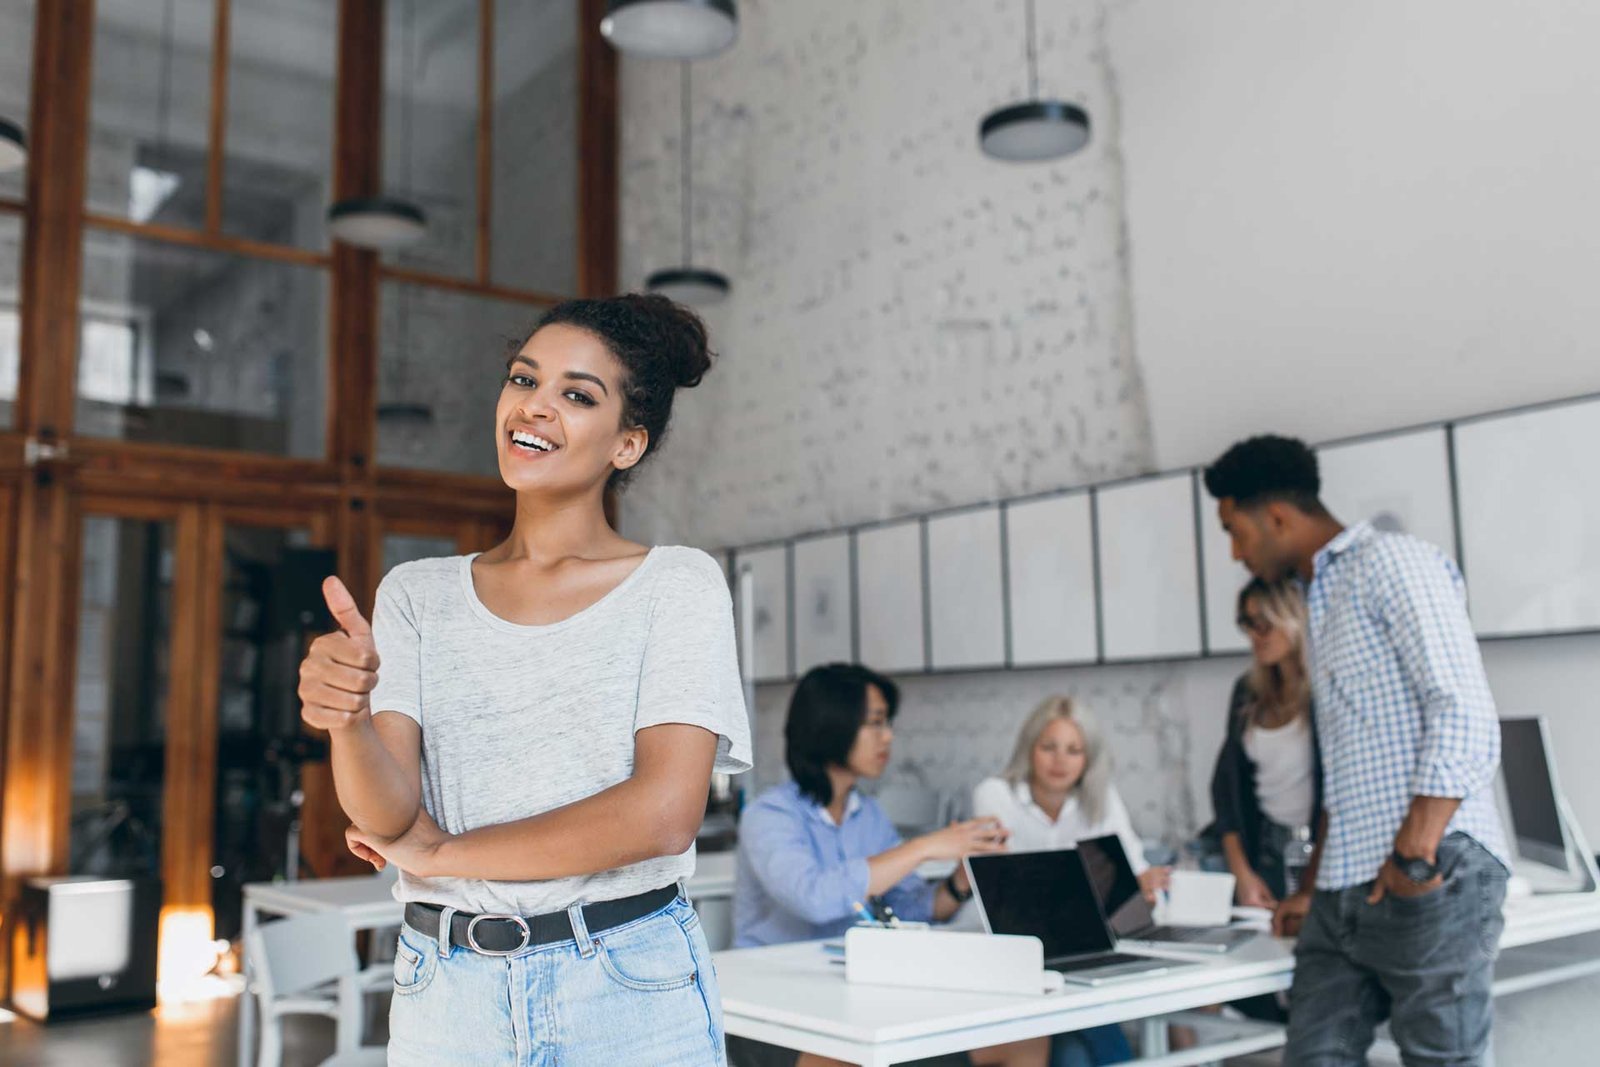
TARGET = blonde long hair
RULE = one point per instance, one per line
(1272, 688)
(1096, 778)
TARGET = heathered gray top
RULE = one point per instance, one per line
(517, 720)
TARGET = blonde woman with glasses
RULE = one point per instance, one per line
(1268, 780)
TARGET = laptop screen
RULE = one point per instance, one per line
(1043, 894)
(1115, 884)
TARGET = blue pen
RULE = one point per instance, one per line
(862, 912)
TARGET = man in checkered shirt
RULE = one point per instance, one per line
(1410, 866)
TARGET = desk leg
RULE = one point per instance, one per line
(1153, 1037)
(347, 1035)
(247, 1000)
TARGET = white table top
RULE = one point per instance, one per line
(795, 987)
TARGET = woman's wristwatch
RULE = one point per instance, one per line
(950, 884)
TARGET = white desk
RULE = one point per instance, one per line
(367, 903)
(791, 995)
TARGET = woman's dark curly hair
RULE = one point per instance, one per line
(662, 348)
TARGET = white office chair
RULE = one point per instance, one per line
(307, 965)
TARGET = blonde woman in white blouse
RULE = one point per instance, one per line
(1057, 789)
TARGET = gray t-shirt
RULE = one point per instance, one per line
(518, 720)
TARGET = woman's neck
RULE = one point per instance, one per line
(1050, 803)
(842, 781)
(548, 530)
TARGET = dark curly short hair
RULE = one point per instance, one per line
(1268, 468)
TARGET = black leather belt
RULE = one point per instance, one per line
(504, 935)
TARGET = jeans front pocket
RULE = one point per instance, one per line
(649, 956)
(415, 962)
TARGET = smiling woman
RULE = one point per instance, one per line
(575, 691)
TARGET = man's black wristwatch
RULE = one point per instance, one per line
(950, 884)
(1415, 868)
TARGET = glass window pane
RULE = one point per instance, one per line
(119, 724)
(185, 346)
(10, 316)
(441, 363)
(271, 578)
(404, 548)
(430, 127)
(534, 207)
(149, 110)
(278, 158)
(16, 77)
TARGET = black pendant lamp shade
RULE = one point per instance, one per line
(671, 29)
(377, 222)
(1038, 129)
(13, 146)
(1034, 129)
(688, 284)
(387, 223)
(696, 286)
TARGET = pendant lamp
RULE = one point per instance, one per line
(670, 29)
(13, 146)
(387, 223)
(1033, 129)
(687, 284)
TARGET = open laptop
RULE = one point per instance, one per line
(1128, 912)
(1047, 895)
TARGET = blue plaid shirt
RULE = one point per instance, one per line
(1403, 707)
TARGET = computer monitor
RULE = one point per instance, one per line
(1532, 793)
(1041, 894)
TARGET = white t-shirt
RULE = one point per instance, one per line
(518, 720)
(1282, 756)
(1032, 829)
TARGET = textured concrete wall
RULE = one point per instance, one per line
(912, 324)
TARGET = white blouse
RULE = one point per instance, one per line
(1032, 829)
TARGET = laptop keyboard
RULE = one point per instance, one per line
(1094, 963)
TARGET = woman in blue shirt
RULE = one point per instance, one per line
(813, 848)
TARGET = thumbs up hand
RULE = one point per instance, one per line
(341, 669)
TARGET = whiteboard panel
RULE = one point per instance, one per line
(1224, 579)
(1397, 483)
(889, 597)
(966, 612)
(823, 604)
(770, 569)
(1050, 552)
(1149, 568)
(1530, 519)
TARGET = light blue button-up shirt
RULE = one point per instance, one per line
(799, 874)
(1402, 703)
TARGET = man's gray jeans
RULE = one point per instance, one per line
(1424, 963)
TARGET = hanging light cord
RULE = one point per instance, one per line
(684, 144)
(164, 99)
(1033, 58)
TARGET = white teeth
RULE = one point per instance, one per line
(534, 441)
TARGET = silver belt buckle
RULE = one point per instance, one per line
(472, 940)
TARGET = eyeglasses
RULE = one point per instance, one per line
(880, 725)
(1253, 624)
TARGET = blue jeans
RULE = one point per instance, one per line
(1424, 963)
(643, 992)
(1090, 1048)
